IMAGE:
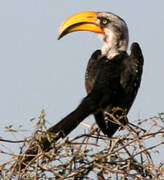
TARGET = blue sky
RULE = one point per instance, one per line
(37, 71)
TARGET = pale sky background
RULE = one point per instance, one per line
(37, 71)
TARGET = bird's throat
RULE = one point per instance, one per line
(112, 45)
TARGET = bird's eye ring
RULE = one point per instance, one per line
(104, 21)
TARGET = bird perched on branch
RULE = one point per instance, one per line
(112, 77)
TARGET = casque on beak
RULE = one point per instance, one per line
(83, 21)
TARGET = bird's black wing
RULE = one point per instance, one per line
(92, 70)
(91, 74)
(130, 78)
(132, 73)
(106, 77)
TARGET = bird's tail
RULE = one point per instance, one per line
(88, 106)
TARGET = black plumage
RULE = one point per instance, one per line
(118, 79)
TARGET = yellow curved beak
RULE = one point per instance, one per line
(83, 21)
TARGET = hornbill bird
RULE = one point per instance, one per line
(112, 77)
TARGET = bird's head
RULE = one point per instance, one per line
(110, 27)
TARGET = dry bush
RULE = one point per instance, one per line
(129, 155)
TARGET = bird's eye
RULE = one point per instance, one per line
(104, 21)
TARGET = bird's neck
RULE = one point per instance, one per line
(113, 45)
